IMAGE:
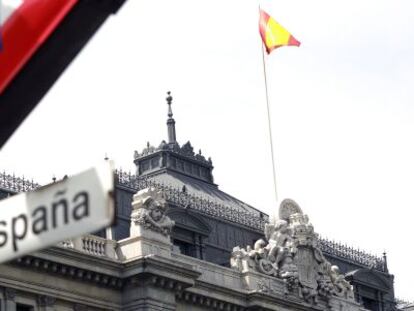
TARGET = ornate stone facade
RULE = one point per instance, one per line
(171, 246)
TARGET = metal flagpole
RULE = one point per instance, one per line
(269, 123)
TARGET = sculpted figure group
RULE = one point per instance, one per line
(149, 209)
(290, 252)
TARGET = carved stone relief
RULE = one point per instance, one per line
(291, 253)
(148, 210)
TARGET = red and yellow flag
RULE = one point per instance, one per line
(273, 34)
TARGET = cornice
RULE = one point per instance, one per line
(258, 300)
(161, 267)
(74, 257)
(210, 302)
(73, 272)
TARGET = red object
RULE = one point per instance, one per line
(26, 30)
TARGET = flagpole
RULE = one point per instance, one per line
(269, 123)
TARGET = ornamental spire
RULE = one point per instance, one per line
(170, 121)
(384, 259)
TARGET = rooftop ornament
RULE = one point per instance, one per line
(15, 184)
(291, 253)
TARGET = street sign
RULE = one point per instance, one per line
(74, 206)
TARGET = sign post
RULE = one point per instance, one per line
(74, 206)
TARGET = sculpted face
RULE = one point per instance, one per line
(156, 213)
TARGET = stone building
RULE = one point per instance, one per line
(180, 243)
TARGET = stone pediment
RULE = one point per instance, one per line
(369, 277)
(190, 221)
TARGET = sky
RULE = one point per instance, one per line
(341, 109)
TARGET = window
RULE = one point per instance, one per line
(22, 307)
(185, 248)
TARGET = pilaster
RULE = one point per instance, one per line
(9, 296)
(46, 303)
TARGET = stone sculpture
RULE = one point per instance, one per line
(149, 210)
(291, 253)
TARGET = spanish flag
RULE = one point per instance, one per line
(273, 34)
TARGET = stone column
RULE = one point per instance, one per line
(202, 247)
(9, 295)
(380, 300)
(198, 248)
(46, 303)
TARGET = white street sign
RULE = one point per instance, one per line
(74, 206)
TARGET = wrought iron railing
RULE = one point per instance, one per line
(16, 184)
(204, 205)
(352, 254)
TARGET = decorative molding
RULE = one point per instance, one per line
(208, 302)
(189, 220)
(45, 301)
(67, 271)
(370, 278)
(186, 151)
(157, 281)
(10, 293)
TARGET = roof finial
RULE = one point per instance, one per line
(384, 258)
(169, 101)
(170, 121)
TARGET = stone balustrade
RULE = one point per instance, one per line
(92, 245)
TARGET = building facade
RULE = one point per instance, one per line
(180, 243)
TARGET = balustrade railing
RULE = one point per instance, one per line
(98, 246)
(92, 245)
(203, 205)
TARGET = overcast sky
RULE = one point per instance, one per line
(341, 109)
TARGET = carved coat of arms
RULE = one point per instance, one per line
(291, 253)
